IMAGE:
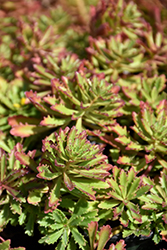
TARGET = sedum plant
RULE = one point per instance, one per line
(70, 161)
(83, 122)
(64, 65)
(142, 88)
(104, 236)
(114, 17)
(58, 228)
(124, 191)
(92, 103)
(116, 55)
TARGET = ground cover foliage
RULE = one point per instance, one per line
(83, 121)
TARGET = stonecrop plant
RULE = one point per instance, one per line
(83, 123)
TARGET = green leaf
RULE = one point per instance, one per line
(78, 237)
(104, 236)
(84, 188)
(58, 216)
(55, 193)
(92, 230)
(51, 238)
(133, 188)
(65, 237)
(119, 246)
(108, 204)
(30, 224)
(26, 130)
(5, 245)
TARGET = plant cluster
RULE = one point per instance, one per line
(83, 122)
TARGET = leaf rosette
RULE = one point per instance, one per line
(69, 160)
(152, 128)
(63, 230)
(116, 55)
(141, 88)
(93, 103)
(125, 189)
(62, 65)
(114, 17)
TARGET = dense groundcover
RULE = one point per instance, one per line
(83, 125)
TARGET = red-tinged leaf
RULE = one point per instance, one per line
(134, 211)
(47, 208)
(151, 206)
(133, 188)
(134, 146)
(116, 193)
(68, 182)
(53, 122)
(116, 172)
(34, 198)
(164, 235)
(143, 190)
(93, 173)
(123, 140)
(125, 160)
(83, 187)
(26, 130)
(15, 175)
(63, 109)
(121, 131)
(119, 246)
(36, 100)
(149, 158)
(161, 110)
(148, 118)
(124, 219)
(104, 236)
(26, 161)
(12, 191)
(54, 197)
(164, 217)
(92, 230)
(139, 126)
(109, 204)
(46, 173)
(61, 138)
(162, 162)
(118, 210)
(20, 119)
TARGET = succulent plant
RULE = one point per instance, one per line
(56, 68)
(114, 17)
(104, 235)
(92, 103)
(142, 88)
(155, 49)
(83, 121)
(69, 161)
(116, 55)
(126, 188)
(57, 227)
